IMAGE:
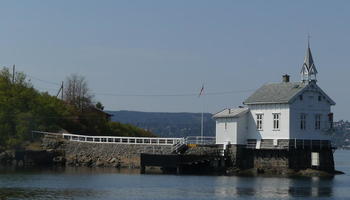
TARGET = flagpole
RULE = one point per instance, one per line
(202, 125)
(202, 114)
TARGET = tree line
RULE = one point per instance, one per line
(23, 109)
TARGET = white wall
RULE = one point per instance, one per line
(242, 129)
(223, 136)
(268, 132)
(310, 106)
(235, 133)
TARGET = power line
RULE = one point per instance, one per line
(174, 95)
(148, 95)
(44, 81)
(44, 88)
(32, 77)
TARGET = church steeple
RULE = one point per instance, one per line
(308, 71)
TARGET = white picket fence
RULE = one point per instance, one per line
(133, 140)
(114, 139)
(122, 140)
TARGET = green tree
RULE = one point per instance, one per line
(23, 109)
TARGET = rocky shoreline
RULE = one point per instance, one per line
(56, 151)
(57, 158)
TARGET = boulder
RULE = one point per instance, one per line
(113, 160)
(99, 163)
(59, 160)
(314, 172)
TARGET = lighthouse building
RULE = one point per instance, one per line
(285, 115)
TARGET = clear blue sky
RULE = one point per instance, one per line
(172, 47)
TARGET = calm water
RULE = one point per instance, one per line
(112, 184)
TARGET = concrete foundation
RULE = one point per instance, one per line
(279, 160)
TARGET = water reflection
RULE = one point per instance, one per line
(67, 170)
(37, 193)
(311, 187)
(273, 187)
(87, 183)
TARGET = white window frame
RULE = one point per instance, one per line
(315, 159)
(318, 119)
(303, 118)
(276, 118)
(259, 121)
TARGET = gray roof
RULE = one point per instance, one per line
(236, 112)
(282, 93)
(275, 93)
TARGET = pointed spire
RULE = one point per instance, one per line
(308, 70)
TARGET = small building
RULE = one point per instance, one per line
(282, 116)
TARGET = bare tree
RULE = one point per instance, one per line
(77, 92)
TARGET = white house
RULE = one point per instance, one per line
(278, 112)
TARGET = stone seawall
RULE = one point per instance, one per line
(100, 154)
(109, 155)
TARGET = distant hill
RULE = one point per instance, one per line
(167, 124)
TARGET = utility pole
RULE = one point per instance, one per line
(62, 91)
(13, 73)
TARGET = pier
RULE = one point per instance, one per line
(183, 164)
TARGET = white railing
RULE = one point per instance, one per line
(201, 140)
(178, 145)
(122, 140)
(115, 139)
(47, 133)
(176, 142)
(288, 144)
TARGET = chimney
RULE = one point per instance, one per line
(285, 78)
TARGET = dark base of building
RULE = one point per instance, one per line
(242, 160)
(184, 164)
(280, 161)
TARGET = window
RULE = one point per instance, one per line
(301, 97)
(275, 142)
(330, 120)
(319, 98)
(259, 121)
(225, 125)
(317, 121)
(302, 121)
(276, 121)
(315, 159)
